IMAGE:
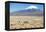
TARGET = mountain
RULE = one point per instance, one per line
(27, 12)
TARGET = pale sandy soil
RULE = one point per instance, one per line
(26, 22)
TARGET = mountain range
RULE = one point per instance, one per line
(27, 12)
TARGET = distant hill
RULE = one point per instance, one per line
(27, 12)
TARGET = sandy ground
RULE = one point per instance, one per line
(17, 22)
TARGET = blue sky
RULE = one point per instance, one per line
(20, 6)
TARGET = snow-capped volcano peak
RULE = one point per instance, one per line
(32, 7)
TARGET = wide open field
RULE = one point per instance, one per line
(17, 22)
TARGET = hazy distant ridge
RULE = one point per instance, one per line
(27, 12)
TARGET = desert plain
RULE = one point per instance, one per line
(17, 22)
